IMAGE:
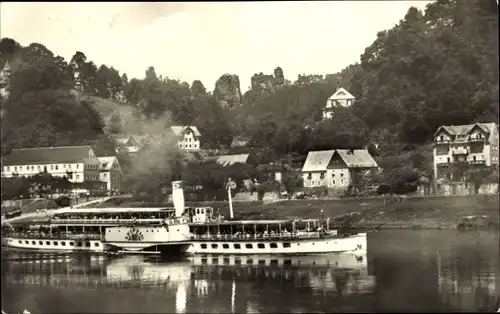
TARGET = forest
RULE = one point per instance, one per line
(436, 67)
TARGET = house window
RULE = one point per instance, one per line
(448, 159)
(57, 168)
(309, 176)
(333, 182)
(15, 168)
(341, 181)
(441, 138)
(7, 168)
(341, 175)
(322, 175)
(333, 175)
(51, 167)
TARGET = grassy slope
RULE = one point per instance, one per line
(411, 212)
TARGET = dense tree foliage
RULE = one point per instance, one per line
(437, 67)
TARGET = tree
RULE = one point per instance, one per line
(197, 88)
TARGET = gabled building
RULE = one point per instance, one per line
(472, 145)
(110, 172)
(77, 163)
(341, 98)
(129, 144)
(188, 137)
(336, 168)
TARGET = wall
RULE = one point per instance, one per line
(56, 170)
(315, 180)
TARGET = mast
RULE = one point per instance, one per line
(230, 185)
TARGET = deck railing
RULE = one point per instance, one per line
(75, 221)
(251, 237)
(64, 236)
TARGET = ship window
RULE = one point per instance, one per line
(78, 243)
(203, 246)
(71, 243)
(249, 245)
(214, 246)
(33, 242)
(40, 242)
(27, 242)
(261, 261)
(273, 245)
(237, 246)
(274, 262)
(47, 242)
(55, 243)
(261, 245)
(226, 260)
(225, 246)
(249, 261)
(87, 244)
(20, 242)
(63, 243)
(96, 244)
(286, 244)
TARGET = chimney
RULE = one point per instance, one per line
(178, 197)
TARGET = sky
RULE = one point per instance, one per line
(203, 40)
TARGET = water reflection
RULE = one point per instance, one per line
(403, 271)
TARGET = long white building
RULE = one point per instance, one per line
(77, 163)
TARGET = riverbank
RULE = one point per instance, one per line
(373, 213)
(408, 213)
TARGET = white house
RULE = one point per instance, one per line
(188, 137)
(77, 163)
(110, 172)
(474, 144)
(336, 168)
(341, 98)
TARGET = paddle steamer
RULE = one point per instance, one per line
(127, 230)
(192, 230)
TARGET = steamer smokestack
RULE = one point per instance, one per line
(178, 197)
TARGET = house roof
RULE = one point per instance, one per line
(47, 155)
(357, 158)
(106, 162)
(179, 130)
(466, 128)
(239, 141)
(318, 160)
(341, 93)
(228, 160)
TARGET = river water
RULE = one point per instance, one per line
(409, 271)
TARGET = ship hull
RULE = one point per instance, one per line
(294, 246)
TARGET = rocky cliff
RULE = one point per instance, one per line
(227, 91)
